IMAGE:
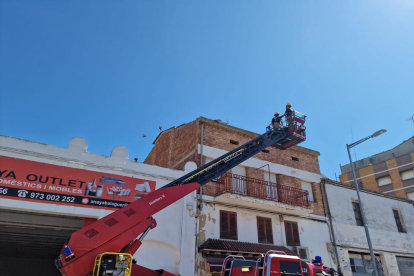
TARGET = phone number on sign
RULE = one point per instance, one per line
(42, 196)
(3, 191)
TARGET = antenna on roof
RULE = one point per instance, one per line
(411, 118)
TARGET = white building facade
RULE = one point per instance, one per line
(271, 211)
(38, 213)
(391, 225)
(271, 201)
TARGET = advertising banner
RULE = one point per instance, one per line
(41, 182)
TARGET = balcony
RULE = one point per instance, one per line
(256, 193)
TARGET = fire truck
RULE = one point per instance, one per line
(274, 263)
(106, 246)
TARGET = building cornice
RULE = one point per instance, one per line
(325, 181)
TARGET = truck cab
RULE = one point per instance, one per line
(273, 263)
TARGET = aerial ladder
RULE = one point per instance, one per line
(88, 251)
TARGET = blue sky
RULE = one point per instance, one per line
(110, 71)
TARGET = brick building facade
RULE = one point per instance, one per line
(174, 147)
(273, 197)
(390, 172)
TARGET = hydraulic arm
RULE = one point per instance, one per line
(118, 231)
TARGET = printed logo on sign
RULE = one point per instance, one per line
(22, 193)
(52, 184)
(158, 199)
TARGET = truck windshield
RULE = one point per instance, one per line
(289, 268)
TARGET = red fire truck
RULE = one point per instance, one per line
(274, 263)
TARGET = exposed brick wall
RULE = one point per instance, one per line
(254, 173)
(160, 154)
(186, 139)
(217, 137)
(343, 178)
(317, 205)
(288, 181)
(395, 178)
(369, 182)
(175, 147)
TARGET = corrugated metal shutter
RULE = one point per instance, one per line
(406, 266)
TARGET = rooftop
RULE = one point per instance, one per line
(241, 247)
(404, 148)
(347, 186)
(219, 123)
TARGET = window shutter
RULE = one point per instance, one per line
(398, 221)
(233, 227)
(289, 236)
(224, 227)
(295, 234)
(228, 225)
(269, 234)
(261, 230)
(292, 233)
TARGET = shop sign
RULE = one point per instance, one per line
(41, 182)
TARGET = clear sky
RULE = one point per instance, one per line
(111, 71)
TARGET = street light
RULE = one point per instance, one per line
(379, 132)
(364, 221)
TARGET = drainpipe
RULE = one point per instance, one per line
(330, 225)
(199, 198)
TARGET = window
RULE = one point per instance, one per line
(239, 182)
(292, 233)
(384, 181)
(308, 187)
(361, 264)
(292, 268)
(407, 175)
(410, 195)
(271, 187)
(406, 266)
(228, 225)
(357, 213)
(264, 230)
(398, 220)
(234, 142)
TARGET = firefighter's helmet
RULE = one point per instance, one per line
(289, 105)
(277, 114)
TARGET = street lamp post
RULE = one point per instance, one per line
(364, 220)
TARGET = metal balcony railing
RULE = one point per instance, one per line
(238, 184)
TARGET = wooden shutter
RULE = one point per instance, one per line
(295, 233)
(232, 226)
(261, 230)
(264, 230)
(224, 226)
(269, 232)
(228, 225)
(292, 233)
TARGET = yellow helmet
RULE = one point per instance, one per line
(277, 114)
(289, 105)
